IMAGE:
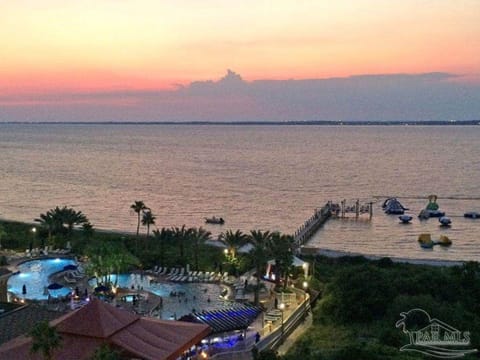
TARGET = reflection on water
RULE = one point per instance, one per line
(255, 177)
(386, 235)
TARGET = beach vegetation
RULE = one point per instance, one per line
(109, 258)
(3, 233)
(180, 236)
(233, 240)
(148, 219)
(105, 352)
(259, 256)
(360, 301)
(198, 236)
(59, 223)
(281, 250)
(162, 237)
(139, 208)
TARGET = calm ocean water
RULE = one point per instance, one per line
(256, 177)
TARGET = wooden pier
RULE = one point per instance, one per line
(310, 226)
(306, 231)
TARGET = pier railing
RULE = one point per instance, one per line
(311, 225)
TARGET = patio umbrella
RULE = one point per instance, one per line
(54, 286)
(70, 267)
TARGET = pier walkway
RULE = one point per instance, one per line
(310, 226)
(306, 231)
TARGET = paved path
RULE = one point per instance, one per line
(288, 342)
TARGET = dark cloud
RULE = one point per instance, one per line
(431, 96)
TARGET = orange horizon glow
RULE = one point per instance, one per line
(56, 45)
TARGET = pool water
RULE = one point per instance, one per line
(195, 296)
(34, 275)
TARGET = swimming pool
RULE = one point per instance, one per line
(34, 275)
(195, 296)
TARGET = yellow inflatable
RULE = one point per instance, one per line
(444, 240)
(425, 240)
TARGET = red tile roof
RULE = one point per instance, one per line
(86, 329)
(107, 319)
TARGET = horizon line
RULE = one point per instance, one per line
(260, 122)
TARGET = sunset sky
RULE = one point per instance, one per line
(52, 48)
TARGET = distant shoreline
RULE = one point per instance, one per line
(259, 123)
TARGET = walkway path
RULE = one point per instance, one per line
(300, 330)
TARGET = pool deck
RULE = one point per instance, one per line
(147, 303)
(15, 258)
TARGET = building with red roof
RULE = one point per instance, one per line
(97, 323)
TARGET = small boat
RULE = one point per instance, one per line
(215, 220)
(472, 215)
(405, 219)
(445, 221)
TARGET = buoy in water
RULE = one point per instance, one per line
(445, 221)
(405, 219)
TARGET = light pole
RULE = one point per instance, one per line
(305, 287)
(34, 232)
(282, 308)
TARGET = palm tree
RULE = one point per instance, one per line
(281, 249)
(2, 234)
(55, 219)
(198, 236)
(104, 352)
(259, 254)
(49, 222)
(148, 219)
(138, 207)
(87, 230)
(233, 241)
(162, 236)
(180, 235)
(45, 339)
(107, 258)
(70, 217)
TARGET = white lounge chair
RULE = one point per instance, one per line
(69, 280)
